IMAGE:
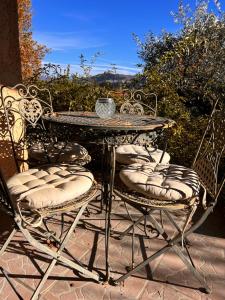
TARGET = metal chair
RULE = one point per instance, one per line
(42, 148)
(138, 102)
(168, 188)
(34, 195)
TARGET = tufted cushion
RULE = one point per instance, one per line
(50, 186)
(129, 154)
(58, 152)
(161, 181)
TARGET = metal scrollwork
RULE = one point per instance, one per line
(119, 139)
(133, 109)
(21, 120)
(31, 110)
(137, 102)
(211, 151)
(30, 98)
(142, 139)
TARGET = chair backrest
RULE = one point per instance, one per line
(209, 160)
(136, 102)
(23, 111)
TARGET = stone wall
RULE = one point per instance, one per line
(10, 64)
(10, 74)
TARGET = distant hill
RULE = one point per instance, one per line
(112, 78)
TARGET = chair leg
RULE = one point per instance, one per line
(57, 255)
(6, 274)
(175, 225)
(121, 236)
(188, 264)
(8, 241)
(173, 244)
(134, 223)
(142, 264)
(133, 248)
(192, 269)
(158, 227)
(137, 222)
(152, 257)
(43, 280)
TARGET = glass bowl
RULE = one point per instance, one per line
(105, 108)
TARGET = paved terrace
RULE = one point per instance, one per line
(171, 278)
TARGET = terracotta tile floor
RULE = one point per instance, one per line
(171, 278)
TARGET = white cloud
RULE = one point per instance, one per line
(120, 69)
(60, 41)
(100, 68)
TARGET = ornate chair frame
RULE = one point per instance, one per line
(138, 102)
(207, 164)
(23, 115)
(33, 223)
(31, 111)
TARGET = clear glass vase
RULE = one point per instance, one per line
(105, 108)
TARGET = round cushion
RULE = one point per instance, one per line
(130, 153)
(59, 152)
(161, 181)
(50, 186)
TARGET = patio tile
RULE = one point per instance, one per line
(60, 288)
(93, 290)
(69, 296)
(153, 290)
(6, 289)
(218, 291)
(115, 295)
(88, 245)
(49, 296)
(133, 287)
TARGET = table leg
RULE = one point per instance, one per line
(111, 166)
(104, 175)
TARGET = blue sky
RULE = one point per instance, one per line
(72, 27)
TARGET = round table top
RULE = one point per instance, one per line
(118, 122)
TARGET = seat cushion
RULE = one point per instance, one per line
(57, 152)
(161, 181)
(50, 186)
(130, 153)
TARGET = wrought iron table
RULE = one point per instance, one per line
(121, 129)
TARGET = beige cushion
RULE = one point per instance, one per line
(161, 181)
(58, 152)
(129, 154)
(50, 186)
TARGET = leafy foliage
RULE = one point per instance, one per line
(69, 92)
(187, 70)
(31, 52)
(73, 94)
